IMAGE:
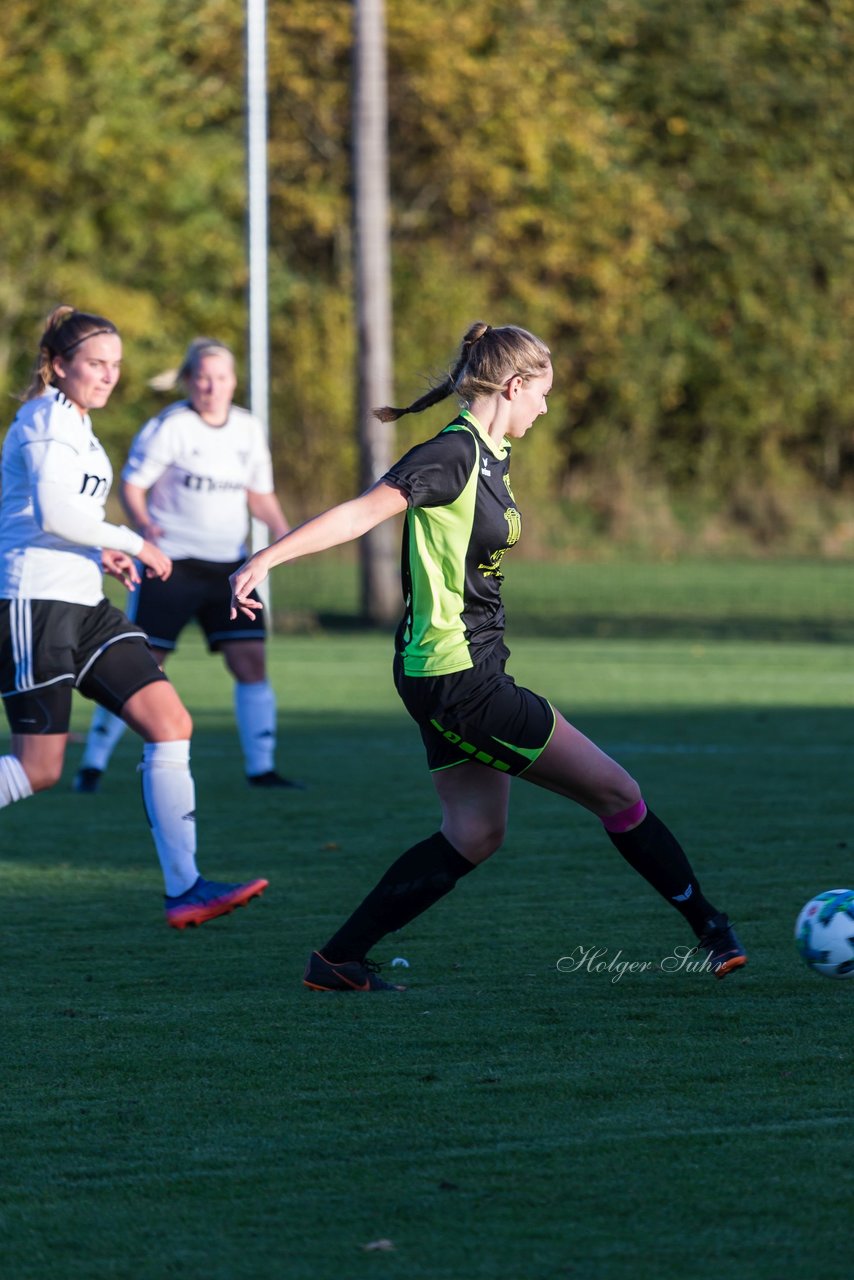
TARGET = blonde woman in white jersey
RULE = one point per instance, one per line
(195, 474)
(57, 630)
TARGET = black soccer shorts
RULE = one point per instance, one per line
(197, 590)
(49, 647)
(480, 715)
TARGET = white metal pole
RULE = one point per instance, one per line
(259, 332)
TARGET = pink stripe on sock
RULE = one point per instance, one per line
(626, 819)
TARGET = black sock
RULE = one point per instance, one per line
(655, 853)
(420, 877)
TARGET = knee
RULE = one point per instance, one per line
(157, 713)
(174, 726)
(247, 664)
(621, 794)
(625, 814)
(477, 841)
(43, 774)
(248, 672)
(182, 724)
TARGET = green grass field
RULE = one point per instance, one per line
(178, 1104)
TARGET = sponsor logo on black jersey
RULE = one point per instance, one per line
(492, 568)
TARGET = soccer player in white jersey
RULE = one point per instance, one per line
(57, 630)
(194, 475)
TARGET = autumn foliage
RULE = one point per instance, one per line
(661, 188)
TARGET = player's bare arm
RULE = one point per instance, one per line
(265, 507)
(344, 523)
(135, 503)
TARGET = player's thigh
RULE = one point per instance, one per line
(119, 670)
(39, 720)
(575, 767)
(475, 802)
(41, 712)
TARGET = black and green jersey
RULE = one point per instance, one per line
(461, 520)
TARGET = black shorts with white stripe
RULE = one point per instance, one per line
(48, 647)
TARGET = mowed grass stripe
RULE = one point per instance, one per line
(179, 1103)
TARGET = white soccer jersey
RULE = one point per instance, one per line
(197, 477)
(55, 476)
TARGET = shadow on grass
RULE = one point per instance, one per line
(662, 627)
(807, 629)
(367, 783)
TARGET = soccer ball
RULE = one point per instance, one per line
(824, 933)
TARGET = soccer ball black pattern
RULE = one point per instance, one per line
(824, 933)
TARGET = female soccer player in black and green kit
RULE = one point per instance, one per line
(480, 729)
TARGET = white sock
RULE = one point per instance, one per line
(14, 783)
(169, 795)
(104, 733)
(255, 712)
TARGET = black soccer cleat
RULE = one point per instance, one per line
(273, 779)
(351, 975)
(87, 780)
(723, 948)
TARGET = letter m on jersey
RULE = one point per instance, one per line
(94, 486)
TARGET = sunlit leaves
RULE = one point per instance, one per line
(662, 188)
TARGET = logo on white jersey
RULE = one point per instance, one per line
(208, 484)
(94, 486)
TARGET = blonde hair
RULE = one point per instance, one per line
(487, 359)
(193, 356)
(66, 329)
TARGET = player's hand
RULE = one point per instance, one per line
(157, 563)
(118, 564)
(243, 581)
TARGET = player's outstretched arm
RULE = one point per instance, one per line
(344, 523)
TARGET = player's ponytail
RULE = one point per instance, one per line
(66, 329)
(487, 359)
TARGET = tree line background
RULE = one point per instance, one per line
(662, 189)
